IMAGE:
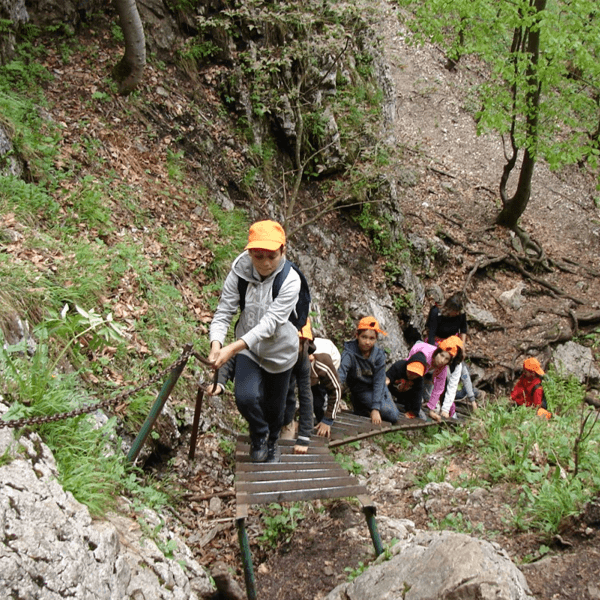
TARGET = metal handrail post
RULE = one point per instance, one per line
(369, 512)
(156, 409)
(246, 559)
(197, 411)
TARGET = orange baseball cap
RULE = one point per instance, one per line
(451, 345)
(533, 364)
(370, 323)
(306, 331)
(266, 235)
(416, 367)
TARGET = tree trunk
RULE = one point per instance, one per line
(514, 207)
(128, 73)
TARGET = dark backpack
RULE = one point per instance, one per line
(300, 313)
(537, 386)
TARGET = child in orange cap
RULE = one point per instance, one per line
(266, 342)
(528, 390)
(300, 380)
(362, 369)
(438, 359)
(442, 323)
(405, 382)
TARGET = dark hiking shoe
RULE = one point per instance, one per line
(259, 451)
(274, 453)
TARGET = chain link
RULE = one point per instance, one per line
(88, 408)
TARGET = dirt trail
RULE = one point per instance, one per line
(456, 198)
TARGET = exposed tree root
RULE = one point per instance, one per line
(482, 264)
(529, 243)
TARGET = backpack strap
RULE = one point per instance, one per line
(280, 278)
(242, 287)
(536, 387)
(242, 284)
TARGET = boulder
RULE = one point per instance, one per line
(51, 548)
(442, 565)
(512, 298)
(572, 359)
(480, 316)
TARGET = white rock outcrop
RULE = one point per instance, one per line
(51, 548)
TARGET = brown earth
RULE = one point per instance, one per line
(454, 198)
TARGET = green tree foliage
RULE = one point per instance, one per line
(541, 89)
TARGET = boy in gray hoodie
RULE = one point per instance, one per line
(266, 342)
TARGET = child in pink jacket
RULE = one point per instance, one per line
(438, 358)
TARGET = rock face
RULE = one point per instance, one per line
(16, 12)
(575, 359)
(441, 565)
(9, 163)
(337, 285)
(50, 548)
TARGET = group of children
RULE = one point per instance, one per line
(272, 357)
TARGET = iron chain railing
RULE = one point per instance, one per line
(88, 408)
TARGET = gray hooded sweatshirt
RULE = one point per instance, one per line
(264, 324)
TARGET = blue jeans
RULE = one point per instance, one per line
(362, 400)
(468, 390)
(260, 397)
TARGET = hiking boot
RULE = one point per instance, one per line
(288, 432)
(273, 452)
(259, 451)
(480, 396)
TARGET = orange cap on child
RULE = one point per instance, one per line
(370, 323)
(533, 364)
(451, 345)
(306, 331)
(416, 367)
(266, 235)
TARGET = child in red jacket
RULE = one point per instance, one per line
(528, 390)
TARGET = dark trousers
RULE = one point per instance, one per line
(412, 399)
(260, 397)
(319, 401)
(300, 380)
(362, 403)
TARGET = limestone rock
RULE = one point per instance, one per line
(442, 565)
(10, 163)
(512, 298)
(577, 360)
(51, 548)
(161, 33)
(480, 315)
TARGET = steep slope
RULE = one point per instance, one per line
(175, 137)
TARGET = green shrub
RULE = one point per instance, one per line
(279, 523)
